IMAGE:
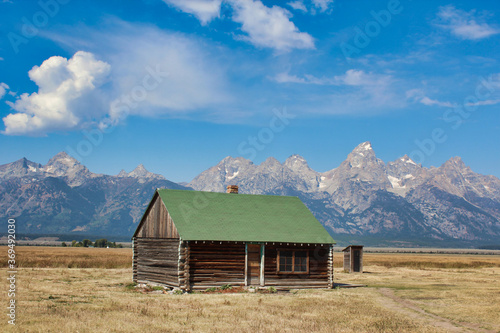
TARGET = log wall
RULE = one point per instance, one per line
(199, 265)
(320, 268)
(156, 260)
(212, 264)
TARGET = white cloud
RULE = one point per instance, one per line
(307, 79)
(465, 25)
(430, 102)
(265, 26)
(1, 59)
(195, 80)
(3, 89)
(486, 102)
(204, 10)
(355, 91)
(418, 96)
(368, 91)
(359, 78)
(64, 87)
(297, 5)
(352, 77)
(269, 26)
(322, 4)
(151, 73)
(287, 78)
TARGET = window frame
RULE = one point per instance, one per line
(293, 261)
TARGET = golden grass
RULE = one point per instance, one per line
(424, 261)
(89, 300)
(78, 257)
(69, 257)
(462, 295)
(53, 298)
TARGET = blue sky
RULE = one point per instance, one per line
(179, 85)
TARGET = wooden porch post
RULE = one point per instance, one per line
(262, 264)
(246, 264)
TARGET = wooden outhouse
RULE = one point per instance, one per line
(195, 240)
(353, 259)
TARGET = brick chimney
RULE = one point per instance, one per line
(232, 189)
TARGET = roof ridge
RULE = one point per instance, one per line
(233, 194)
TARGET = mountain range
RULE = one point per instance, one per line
(364, 199)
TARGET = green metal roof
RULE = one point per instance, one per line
(242, 217)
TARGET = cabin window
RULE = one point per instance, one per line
(293, 261)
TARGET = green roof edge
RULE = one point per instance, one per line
(322, 235)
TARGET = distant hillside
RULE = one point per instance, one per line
(63, 196)
(364, 199)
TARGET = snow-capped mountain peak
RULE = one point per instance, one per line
(296, 162)
(363, 146)
(141, 173)
(406, 159)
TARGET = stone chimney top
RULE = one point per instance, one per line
(232, 189)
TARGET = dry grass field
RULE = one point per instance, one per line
(88, 290)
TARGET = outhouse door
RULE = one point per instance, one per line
(357, 260)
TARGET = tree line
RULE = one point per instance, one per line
(103, 242)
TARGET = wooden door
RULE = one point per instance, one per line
(357, 260)
(253, 264)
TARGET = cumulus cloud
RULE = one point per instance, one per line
(465, 25)
(3, 89)
(322, 4)
(264, 26)
(269, 26)
(204, 10)
(64, 86)
(297, 5)
(142, 71)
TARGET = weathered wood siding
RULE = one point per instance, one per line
(134, 259)
(157, 222)
(156, 260)
(353, 259)
(320, 268)
(212, 264)
(347, 260)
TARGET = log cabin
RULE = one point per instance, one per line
(195, 240)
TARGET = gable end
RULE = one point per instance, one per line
(156, 221)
